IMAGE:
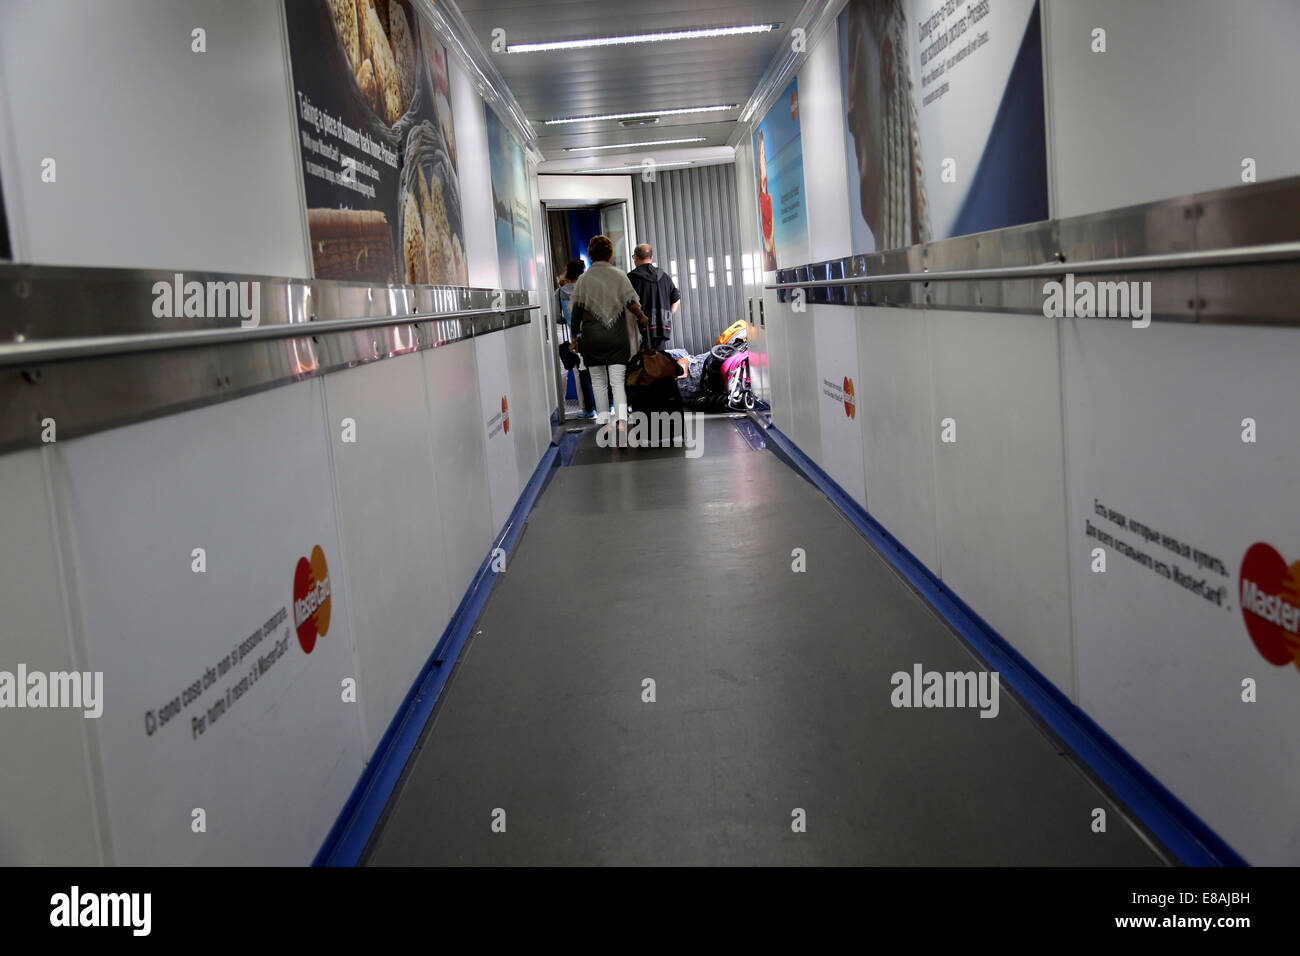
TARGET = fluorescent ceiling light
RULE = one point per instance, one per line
(697, 34)
(624, 169)
(680, 111)
(649, 142)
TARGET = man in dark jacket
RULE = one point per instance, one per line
(659, 297)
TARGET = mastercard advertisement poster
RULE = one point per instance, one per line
(505, 481)
(222, 677)
(1185, 644)
(311, 599)
(838, 384)
(1270, 603)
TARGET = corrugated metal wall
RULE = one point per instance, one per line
(689, 217)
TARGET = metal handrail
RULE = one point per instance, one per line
(1243, 255)
(49, 352)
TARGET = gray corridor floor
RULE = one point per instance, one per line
(772, 695)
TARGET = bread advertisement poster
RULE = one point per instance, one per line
(378, 146)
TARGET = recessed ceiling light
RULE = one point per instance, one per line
(696, 34)
(677, 111)
(625, 169)
(649, 142)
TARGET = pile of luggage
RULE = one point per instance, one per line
(714, 381)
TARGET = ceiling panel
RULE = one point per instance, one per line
(634, 77)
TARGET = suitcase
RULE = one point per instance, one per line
(660, 396)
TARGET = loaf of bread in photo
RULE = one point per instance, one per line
(369, 85)
(437, 233)
(403, 45)
(354, 244)
(374, 45)
(459, 267)
(431, 251)
(345, 18)
(413, 242)
(422, 183)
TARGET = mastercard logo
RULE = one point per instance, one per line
(850, 402)
(311, 599)
(1270, 603)
(505, 415)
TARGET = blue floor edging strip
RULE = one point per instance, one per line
(352, 830)
(1171, 821)
(569, 448)
(752, 433)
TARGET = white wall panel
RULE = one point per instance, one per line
(521, 365)
(1185, 90)
(391, 525)
(779, 362)
(537, 367)
(456, 425)
(46, 804)
(165, 158)
(248, 481)
(542, 333)
(1000, 487)
(497, 425)
(759, 375)
(1154, 419)
(898, 426)
(543, 366)
(805, 384)
(837, 404)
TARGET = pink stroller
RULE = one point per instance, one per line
(736, 380)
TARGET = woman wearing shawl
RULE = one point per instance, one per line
(598, 301)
